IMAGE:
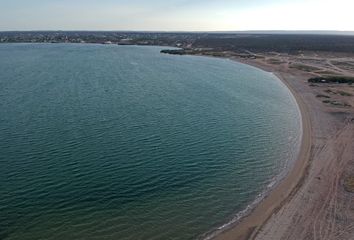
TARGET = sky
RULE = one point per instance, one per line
(177, 15)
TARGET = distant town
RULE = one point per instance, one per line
(121, 38)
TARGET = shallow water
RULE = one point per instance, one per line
(122, 142)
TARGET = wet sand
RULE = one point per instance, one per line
(311, 201)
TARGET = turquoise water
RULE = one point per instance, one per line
(122, 142)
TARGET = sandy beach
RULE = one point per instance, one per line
(312, 201)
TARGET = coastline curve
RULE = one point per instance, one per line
(251, 221)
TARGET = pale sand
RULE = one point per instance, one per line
(310, 203)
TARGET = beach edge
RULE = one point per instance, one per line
(249, 226)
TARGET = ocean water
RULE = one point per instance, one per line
(122, 142)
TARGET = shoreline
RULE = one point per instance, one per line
(313, 201)
(248, 226)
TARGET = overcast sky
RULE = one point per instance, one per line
(177, 15)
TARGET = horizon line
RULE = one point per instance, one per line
(195, 31)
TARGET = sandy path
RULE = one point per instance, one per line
(319, 210)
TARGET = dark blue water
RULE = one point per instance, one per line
(113, 142)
